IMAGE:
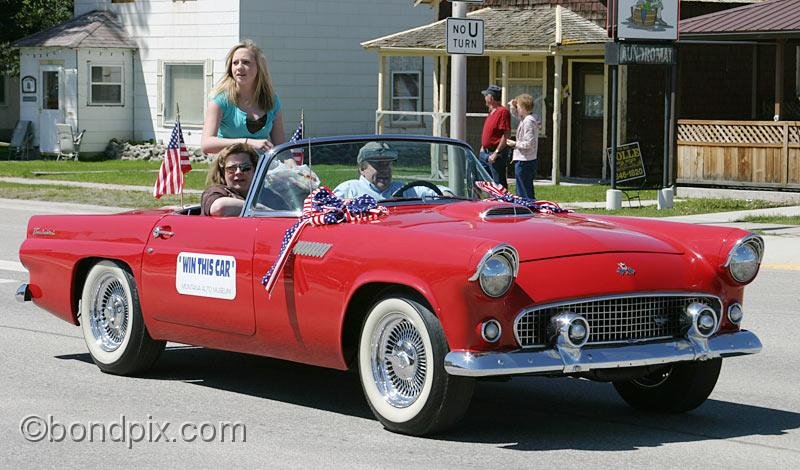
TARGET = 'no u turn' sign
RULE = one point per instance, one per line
(464, 36)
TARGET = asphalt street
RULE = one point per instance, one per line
(299, 416)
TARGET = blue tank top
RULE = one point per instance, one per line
(233, 124)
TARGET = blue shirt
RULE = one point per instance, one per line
(355, 188)
(233, 124)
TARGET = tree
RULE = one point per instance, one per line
(20, 18)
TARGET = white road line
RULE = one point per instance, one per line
(8, 281)
(15, 266)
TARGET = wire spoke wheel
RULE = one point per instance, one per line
(399, 361)
(110, 313)
(112, 323)
(401, 354)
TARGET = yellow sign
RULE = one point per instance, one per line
(629, 163)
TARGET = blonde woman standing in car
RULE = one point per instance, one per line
(244, 107)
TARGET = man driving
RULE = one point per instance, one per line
(375, 175)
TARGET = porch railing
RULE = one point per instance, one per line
(739, 153)
(438, 120)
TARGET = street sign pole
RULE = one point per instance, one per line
(458, 85)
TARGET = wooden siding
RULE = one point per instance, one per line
(198, 32)
(739, 153)
(317, 62)
(104, 122)
(312, 47)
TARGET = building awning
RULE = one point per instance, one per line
(93, 29)
(506, 29)
(769, 19)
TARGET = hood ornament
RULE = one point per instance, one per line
(625, 270)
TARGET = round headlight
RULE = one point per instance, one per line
(744, 259)
(491, 331)
(496, 275)
(702, 319)
(735, 313)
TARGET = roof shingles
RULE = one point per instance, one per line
(769, 16)
(93, 29)
(505, 29)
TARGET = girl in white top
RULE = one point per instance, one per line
(526, 145)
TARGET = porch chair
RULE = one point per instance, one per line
(21, 140)
(69, 145)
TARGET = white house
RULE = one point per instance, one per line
(121, 68)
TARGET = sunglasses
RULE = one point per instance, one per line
(243, 167)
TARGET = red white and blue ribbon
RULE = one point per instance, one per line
(322, 207)
(499, 193)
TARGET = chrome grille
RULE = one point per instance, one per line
(619, 319)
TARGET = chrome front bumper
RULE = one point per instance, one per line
(572, 360)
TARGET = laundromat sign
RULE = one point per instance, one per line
(620, 53)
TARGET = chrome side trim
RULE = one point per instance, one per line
(23, 293)
(553, 361)
(312, 249)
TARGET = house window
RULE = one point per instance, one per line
(525, 77)
(2, 89)
(105, 85)
(406, 96)
(184, 90)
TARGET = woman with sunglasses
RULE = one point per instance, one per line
(244, 107)
(229, 179)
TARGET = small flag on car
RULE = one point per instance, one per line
(298, 153)
(176, 163)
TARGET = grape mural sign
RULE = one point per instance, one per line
(647, 19)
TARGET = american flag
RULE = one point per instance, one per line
(298, 133)
(176, 163)
(297, 153)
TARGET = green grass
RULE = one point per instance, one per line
(128, 172)
(772, 219)
(143, 173)
(100, 197)
(688, 207)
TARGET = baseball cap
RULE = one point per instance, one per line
(376, 151)
(493, 90)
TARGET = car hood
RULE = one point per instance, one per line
(535, 236)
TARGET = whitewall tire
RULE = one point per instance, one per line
(401, 366)
(112, 324)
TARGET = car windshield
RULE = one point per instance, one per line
(391, 170)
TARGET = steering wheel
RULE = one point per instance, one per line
(415, 183)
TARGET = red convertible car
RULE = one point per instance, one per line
(412, 270)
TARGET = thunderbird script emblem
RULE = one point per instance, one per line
(625, 270)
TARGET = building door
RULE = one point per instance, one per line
(587, 120)
(51, 107)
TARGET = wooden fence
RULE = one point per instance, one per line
(758, 154)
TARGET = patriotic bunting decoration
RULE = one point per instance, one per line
(176, 163)
(499, 193)
(322, 207)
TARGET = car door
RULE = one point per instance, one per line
(198, 271)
